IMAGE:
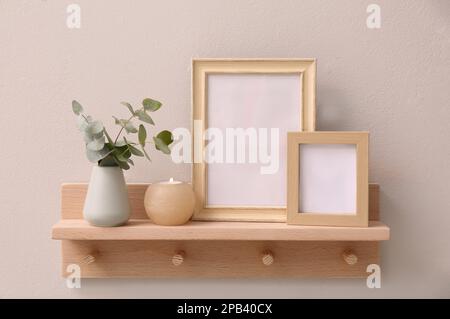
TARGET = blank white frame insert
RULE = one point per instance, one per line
(327, 178)
(252, 101)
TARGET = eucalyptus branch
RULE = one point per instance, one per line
(102, 150)
(85, 118)
(121, 129)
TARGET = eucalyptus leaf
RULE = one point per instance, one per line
(144, 117)
(116, 120)
(96, 144)
(76, 107)
(95, 156)
(122, 165)
(121, 158)
(128, 142)
(120, 149)
(110, 141)
(130, 161)
(145, 153)
(124, 155)
(130, 128)
(121, 122)
(87, 138)
(151, 105)
(83, 122)
(160, 145)
(135, 151)
(166, 137)
(93, 131)
(98, 135)
(120, 143)
(108, 161)
(142, 135)
(127, 153)
(128, 105)
(94, 128)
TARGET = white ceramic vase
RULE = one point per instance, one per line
(106, 203)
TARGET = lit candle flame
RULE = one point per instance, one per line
(171, 180)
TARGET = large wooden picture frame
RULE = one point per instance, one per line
(204, 69)
(327, 171)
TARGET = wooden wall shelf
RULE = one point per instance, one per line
(213, 249)
(141, 229)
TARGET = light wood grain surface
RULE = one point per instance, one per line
(141, 229)
(219, 259)
(211, 249)
(361, 216)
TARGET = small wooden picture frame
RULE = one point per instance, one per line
(328, 178)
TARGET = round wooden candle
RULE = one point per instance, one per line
(169, 203)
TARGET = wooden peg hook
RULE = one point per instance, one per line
(267, 258)
(178, 258)
(350, 257)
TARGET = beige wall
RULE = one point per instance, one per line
(393, 81)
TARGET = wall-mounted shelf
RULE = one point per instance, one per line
(213, 249)
(142, 229)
